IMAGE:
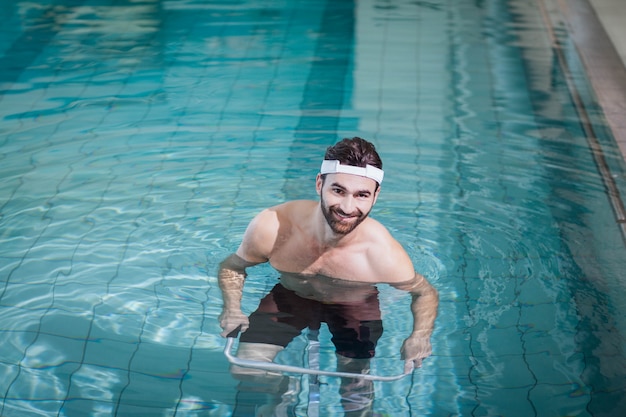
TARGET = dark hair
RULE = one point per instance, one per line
(356, 152)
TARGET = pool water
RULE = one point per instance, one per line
(139, 137)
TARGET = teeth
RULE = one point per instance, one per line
(343, 216)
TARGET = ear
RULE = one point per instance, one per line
(318, 184)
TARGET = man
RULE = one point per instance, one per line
(330, 254)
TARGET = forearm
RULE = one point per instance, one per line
(231, 284)
(424, 305)
(231, 278)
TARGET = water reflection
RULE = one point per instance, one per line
(132, 132)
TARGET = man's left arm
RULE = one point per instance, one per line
(424, 304)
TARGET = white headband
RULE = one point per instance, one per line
(334, 167)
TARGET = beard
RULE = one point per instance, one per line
(337, 225)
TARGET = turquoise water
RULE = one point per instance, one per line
(138, 138)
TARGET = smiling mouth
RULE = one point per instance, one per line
(343, 216)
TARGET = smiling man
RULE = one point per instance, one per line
(330, 254)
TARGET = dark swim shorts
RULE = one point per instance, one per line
(282, 315)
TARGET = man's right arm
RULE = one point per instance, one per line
(255, 248)
(231, 277)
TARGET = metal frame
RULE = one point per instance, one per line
(277, 367)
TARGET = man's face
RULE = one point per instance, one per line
(346, 200)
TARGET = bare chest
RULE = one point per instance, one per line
(301, 257)
(328, 290)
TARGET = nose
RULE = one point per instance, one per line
(348, 205)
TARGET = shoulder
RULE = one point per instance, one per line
(271, 217)
(294, 207)
(263, 230)
(387, 256)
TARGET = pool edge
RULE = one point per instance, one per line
(603, 65)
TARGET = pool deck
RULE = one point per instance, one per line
(612, 15)
(597, 28)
